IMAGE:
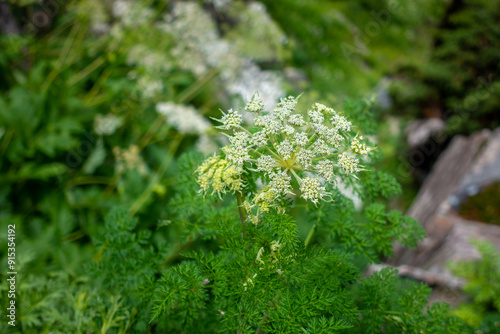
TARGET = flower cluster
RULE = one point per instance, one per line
(291, 152)
(219, 174)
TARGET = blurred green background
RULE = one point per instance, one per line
(99, 98)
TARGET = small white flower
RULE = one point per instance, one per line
(320, 129)
(285, 149)
(348, 163)
(255, 104)
(239, 139)
(316, 116)
(320, 147)
(270, 125)
(280, 183)
(186, 119)
(296, 120)
(341, 123)
(275, 246)
(107, 125)
(358, 147)
(305, 158)
(311, 189)
(259, 255)
(266, 164)
(259, 139)
(236, 154)
(231, 120)
(325, 170)
(333, 138)
(300, 139)
(288, 130)
(323, 109)
(285, 107)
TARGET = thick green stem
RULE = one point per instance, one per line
(240, 197)
(310, 236)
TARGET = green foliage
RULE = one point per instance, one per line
(483, 286)
(265, 278)
(460, 81)
(81, 139)
(380, 184)
(112, 294)
(347, 46)
(370, 234)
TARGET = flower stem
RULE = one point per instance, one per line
(240, 197)
(310, 235)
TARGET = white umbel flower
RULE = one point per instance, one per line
(285, 107)
(231, 120)
(311, 189)
(305, 158)
(259, 139)
(296, 120)
(288, 130)
(240, 138)
(333, 138)
(316, 116)
(301, 139)
(237, 154)
(320, 147)
(341, 123)
(285, 149)
(320, 129)
(358, 147)
(283, 145)
(255, 104)
(280, 183)
(325, 170)
(270, 125)
(348, 163)
(323, 109)
(266, 164)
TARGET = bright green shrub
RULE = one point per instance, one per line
(483, 287)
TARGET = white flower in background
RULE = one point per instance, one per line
(107, 125)
(151, 60)
(184, 118)
(320, 147)
(249, 78)
(149, 86)
(206, 144)
(199, 49)
(132, 13)
(128, 159)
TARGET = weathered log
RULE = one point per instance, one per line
(418, 274)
